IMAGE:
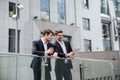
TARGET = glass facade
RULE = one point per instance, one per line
(117, 7)
(106, 37)
(119, 34)
(104, 7)
(61, 11)
(45, 9)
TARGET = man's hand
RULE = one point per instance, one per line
(50, 51)
(55, 55)
(70, 55)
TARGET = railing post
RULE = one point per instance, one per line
(113, 71)
(82, 71)
(44, 64)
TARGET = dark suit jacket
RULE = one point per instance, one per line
(61, 54)
(38, 49)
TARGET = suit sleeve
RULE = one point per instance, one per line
(35, 50)
(59, 52)
(50, 45)
(69, 47)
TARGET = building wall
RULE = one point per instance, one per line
(77, 40)
(95, 34)
(3, 27)
(30, 29)
(8, 23)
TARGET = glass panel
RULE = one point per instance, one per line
(12, 67)
(65, 67)
(116, 70)
(45, 10)
(12, 40)
(61, 11)
(104, 7)
(99, 69)
(15, 67)
(86, 4)
(45, 5)
(12, 9)
(106, 37)
(86, 24)
(117, 7)
(7, 68)
(11, 44)
(24, 71)
(87, 45)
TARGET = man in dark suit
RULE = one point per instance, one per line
(42, 47)
(63, 50)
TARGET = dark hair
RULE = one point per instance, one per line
(47, 31)
(58, 31)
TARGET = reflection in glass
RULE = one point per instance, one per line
(45, 10)
(104, 7)
(106, 37)
(61, 11)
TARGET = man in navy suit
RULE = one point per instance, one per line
(42, 47)
(63, 50)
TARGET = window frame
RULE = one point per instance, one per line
(45, 13)
(105, 7)
(12, 6)
(86, 4)
(107, 43)
(11, 46)
(86, 24)
(87, 45)
(61, 18)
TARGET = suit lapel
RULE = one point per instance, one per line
(59, 47)
(41, 46)
(66, 46)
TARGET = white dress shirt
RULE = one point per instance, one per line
(62, 44)
(45, 47)
(44, 44)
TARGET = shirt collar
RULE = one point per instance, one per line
(61, 42)
(44, 41)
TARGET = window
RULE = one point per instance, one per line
(117, 7)
(86, 24)
(67, 38)
(61, 11)
(86, 4)
(45, 10)
(12, 38)
(12, 9)
(119, 29)
(106, 37)
(119, 35)
(104, 7)
(87, 45)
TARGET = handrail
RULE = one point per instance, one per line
(31, 55)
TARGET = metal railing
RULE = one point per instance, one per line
(83, 69)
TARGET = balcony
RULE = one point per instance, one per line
(17, 67)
